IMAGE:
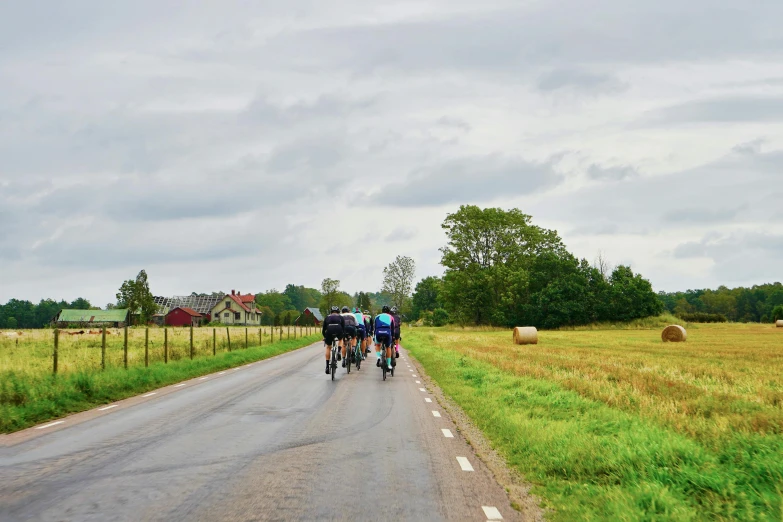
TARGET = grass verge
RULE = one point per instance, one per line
(592, 457)
(26, 400)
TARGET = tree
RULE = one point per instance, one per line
(398, 279)
(80, 304)
(302, 297)
(330, 294)
(363, 300)
(632, 296)
(136, 296)
(777, 313)
(427, 296)
(275, 300)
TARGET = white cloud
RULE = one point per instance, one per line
(216, 146)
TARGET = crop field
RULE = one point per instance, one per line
(617, 425)
(31, 393)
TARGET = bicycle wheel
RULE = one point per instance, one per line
(334, 364)
(358, 359)
(348, 361)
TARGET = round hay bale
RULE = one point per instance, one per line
(674, 334)
(779, 323)
(525, 335)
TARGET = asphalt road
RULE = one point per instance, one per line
(275, 440)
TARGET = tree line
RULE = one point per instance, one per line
(502, 270)
(757, 304)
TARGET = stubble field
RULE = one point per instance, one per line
(617, 425)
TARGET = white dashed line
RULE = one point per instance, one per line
(492, 513)
(447, 433)
(427, 400)
(418, 382)
(464, 463)
(422, 389)
(435, 413)
(203, 378)
(107, 407)
(178, 385)
(149, 394)
(415, 375)
(221, 373)
(49, 425)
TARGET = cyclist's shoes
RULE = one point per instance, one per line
(327, 367)
(378, 363)
(397, 354)
(339, 357)
(390, 366)
(343, 364)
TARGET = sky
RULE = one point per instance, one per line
(245, 145)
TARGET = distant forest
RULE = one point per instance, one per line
(757, 304)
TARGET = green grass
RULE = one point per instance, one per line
(615, 425)
(31, 397)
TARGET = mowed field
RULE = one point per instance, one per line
(617, 425)
(30, 393)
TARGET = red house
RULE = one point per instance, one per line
(183, 316)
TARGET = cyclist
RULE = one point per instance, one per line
(332, 328)
(361, 329)
(397, 327)
(370, 330)
(349, 331)
(384, 331)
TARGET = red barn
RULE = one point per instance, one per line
(183, 316)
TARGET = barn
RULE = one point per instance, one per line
(183, 316)
(116, 317)
(312, 315)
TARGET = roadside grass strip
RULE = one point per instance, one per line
(30, 399)
(588, 460)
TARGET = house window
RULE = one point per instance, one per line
(236, 316)
(228, 304)
(225, 315)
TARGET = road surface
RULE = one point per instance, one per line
(274, 440)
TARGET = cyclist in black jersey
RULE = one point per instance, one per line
(349, 331)
(332, 328)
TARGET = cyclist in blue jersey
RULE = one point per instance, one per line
(370, 330)
(361, 330)
(384, 335)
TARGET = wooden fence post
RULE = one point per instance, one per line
(146, 347)
(191, 341)
(125, 349)
(271, 335)
(103, 349)
(260, 338)
(281, 333)
(289, 332)
(165, 345)
(214, 342)
(228, 336)
(56, 348)
(246, 338)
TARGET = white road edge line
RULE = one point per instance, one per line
(435, 413)
(49, 425)
(221, 373)
(418, 382)
(149, 394)
(447, 433)
(178, 385)
(107, 407)
(492, 513)
(464, 463)
(203, 378)
(422, 389)
(427, 400)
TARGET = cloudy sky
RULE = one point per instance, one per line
(238, 144)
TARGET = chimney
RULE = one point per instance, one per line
(232, 292)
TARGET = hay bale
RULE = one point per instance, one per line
(525, 335)
(674, 334)
(779, 323)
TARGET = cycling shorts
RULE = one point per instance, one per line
(350, 331)
(383, 336)
(333, 331)
(361, 332)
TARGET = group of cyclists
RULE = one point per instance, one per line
(356, 329)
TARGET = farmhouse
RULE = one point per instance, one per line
(116, 318)
(183, 316)
(202, 304)
(312, 314)
(237, 309)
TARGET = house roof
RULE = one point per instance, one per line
(115, 315)
(247, 298)
(191, 312)
(316, 313)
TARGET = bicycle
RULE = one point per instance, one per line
(335, 347)
(357, 353)
(348, 354)
(384, 347)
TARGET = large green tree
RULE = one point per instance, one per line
(277, 301)
(398, 279)
(331, 295)
(426, 296)
(135, 295)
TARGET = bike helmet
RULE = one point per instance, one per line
(335, 310)
(346, 310)
(385, 309)
(394, 310)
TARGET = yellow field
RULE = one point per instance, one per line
(31, 353)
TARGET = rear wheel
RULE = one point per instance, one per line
(334, 364)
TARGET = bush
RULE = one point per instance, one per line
(440, 317)
(702, 317)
